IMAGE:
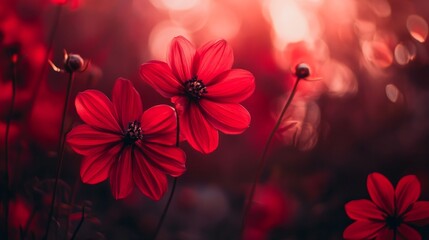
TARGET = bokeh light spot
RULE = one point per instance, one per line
(392, 93)
(418, 27)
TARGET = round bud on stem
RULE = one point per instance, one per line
(302, 71)
(73, 63)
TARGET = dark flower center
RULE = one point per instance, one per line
(393, 222)
(195, 88)
(133, 133)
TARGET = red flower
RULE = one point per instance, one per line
(391, 211)
(121, 142)
(204, 89)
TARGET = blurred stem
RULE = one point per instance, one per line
(164, 213)
(6, 151)
(263, 159)
(73, 199)
(60, 153)
(80, 224)
(47, 53)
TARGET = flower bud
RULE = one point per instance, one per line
(302, 70)
(73, 63)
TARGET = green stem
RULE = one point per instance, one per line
(164, 213)
(60, 153)
(262, 160)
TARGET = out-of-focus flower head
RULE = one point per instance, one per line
(390, 212)
(73, 3)
(120, 141)
(204, 89)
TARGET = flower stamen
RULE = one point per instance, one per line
(133, 133)
(393, 222)
(195, 88)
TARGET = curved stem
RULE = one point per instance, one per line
(79, 225)
(263, 160)
(164, 213)
(6, 151)
(60, 153)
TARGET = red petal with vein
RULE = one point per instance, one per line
(233, 86)
(121, 181)
(385, 234)
(229, 118)
(364, 210)
(96, 110)
(95, 168)
(199, 133)
(407, 192)
(419, 213)
(406, 232)
(381, 192)
(159, 76)
(159, 125)
(362, 230)
(86, 140)
(181, 58)
(126, 101)
(214, 58)
(170, 160)
(150, 180)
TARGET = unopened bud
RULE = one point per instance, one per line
(73, 63)
(302, 71)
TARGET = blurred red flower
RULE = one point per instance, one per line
(74, 3)
(204, 89)
(391, 211)
(121, 142)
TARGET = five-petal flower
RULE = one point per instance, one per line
(391, 213)
(120, 141)
(205, 90)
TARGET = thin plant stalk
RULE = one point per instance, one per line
(80, 224)
(51, 39)
(60, 153)
(263, 158)
(6, 144)
(164, 213)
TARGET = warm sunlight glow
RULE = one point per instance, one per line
(289, 21)
(161, 36)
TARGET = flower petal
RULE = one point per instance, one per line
(150, 180)
(406, 232)
(362, 230)
(96, 110)
(418, 214)
(385, 234)
(127, 102)
(95, 167)
(181, 58)
(159, 125)
(214, 58)
(381, 191)
(232, 86)
(86, 140)
(199, 133)
(364, 210)
(170, 160)
(407, 192)
(121, 182)
(160, 77)
(229, 118)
